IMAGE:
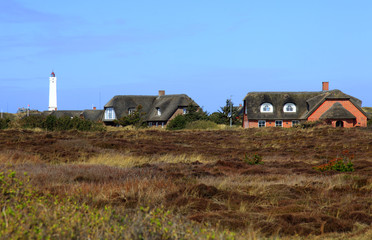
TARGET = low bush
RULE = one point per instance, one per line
(369, 123)
(202, 124)
(177, 123)
(253, 160)
(52, 123)
(32, 121)
(4, 123)
(135, 119)
(341, 164)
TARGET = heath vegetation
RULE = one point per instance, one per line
(192, 184)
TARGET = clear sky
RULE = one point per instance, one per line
(210, 50)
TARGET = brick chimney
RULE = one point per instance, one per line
(94, 108)
(325, 86)
(161, 93)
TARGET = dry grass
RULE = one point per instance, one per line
(127, 160)
(201, 175)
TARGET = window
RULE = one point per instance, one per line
(261, 123)
(156, 124)
(184, 110)
(289, 107)
(158, 111)
(278, 123)
(110, 114)
(130, 111)
(266, 107)
(295, 122)
(162, 124)
(150, 124)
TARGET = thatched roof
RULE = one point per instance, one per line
(254, 101)
(306, 103)
(334, 95)
(337, 111)
(93, 115)
(66, 113)
(168, 104)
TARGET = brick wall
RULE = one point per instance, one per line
(253, 123)
(287, 123)
(270, 123)
(179, 111)
(349, 123)
(361, 120)
(245, 121)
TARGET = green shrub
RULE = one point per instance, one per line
(253, 160)
(135, 119)
(64, 123)
(4, 123)
(81, 124)
(194, 113)
(177, 123)
(50, 123)
(32, 121)
(369, 123)
(201, 124)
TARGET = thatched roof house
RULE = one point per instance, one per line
(285, 109)
(158, 109)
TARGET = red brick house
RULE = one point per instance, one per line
(286, 109)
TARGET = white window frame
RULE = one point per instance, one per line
(110, 114)
(264, 121)
(158, 111)
(184, 110)
(292, 105)
(278, 121)
(131, 110)
(264, 106)
(162, 124)
(294, 124)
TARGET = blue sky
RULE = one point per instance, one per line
(210, 50)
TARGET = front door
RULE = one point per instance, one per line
(339, 124)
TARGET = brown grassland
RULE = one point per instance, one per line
(155, 184)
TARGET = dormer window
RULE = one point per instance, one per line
(267, 107)
(289, 107)
(130, 111)
(158, 111)
(110, 114)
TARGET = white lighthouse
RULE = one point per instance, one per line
(52, 92)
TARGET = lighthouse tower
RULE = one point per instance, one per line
(52, 92)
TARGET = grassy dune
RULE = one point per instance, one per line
(185, 184)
